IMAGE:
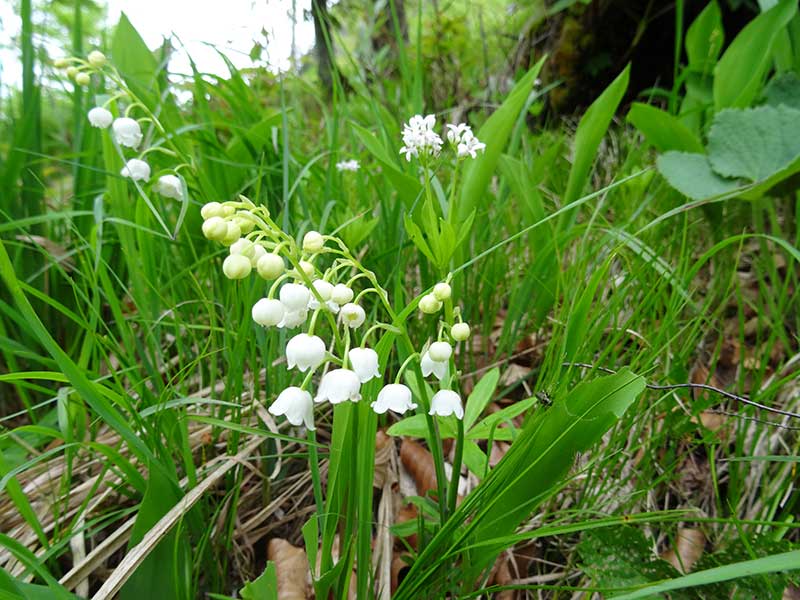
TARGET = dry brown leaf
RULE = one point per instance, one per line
(419, 463)
(291, 568)
(513, 373)
(384, 447)
(689, 545)
(400, 565)
(407, 512)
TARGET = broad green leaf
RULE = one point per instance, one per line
(755, 143)
(662, 130)
(416, 426)
(475, 458)
(784, 89)
(591, 130)
(407, 187)
(739, 73)
(163, 572)
(480, 397)
(498, 421)
(691, 174)
(495, 133)
(134, 61)
(578, 323)
(705, 38)
(264, 587)
(786, 561)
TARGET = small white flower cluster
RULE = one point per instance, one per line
(126, 131)
(436, 359)
(464, 140)
(420, 140)
(348, 165)
(302, 294)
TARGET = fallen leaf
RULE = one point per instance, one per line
(419, 463)
(291, 567)
(689, 545)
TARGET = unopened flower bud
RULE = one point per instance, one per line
(228, 210)
(341, 294)
(429, 304)
(258, 252)
(307, 268)
(97, 59)
(244, 247)
(212, 209)
(440, 351)
(268, 312)
(460, 332)
(100, 117)
(72, 72)
(270, 266)
(236, 266)
(246, 225)
(83, 79)
(60, 63)
(232, 235)
(313, 241)
(442, 291)
(215, 228)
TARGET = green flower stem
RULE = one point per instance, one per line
(456, 473)
(376, 327)
(405, 364)
(316, 481)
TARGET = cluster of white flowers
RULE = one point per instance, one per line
(348, 165)
(126, 131)
(464, 140)
(420, 140)
(304, 295)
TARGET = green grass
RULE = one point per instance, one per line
(132, 371)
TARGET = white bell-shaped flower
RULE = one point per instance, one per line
(100, 117)
(295, 296)
(305, 352)
(136, 169)
(428, 366)
(170, 186)
(338, 386)
(445, 403)
(324, 289)
(341, 294)
(365, 363)
(353, 315)
(440, 351)
(127, 132)
(293, 318)
(313, 241)
(395, 397)
(236, 266)
(296, 405)
(268, 312)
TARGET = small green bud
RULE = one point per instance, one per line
(442, 291)
(236, 266)
(429, 304)
(83, 79)
(215, 228)
(72, 72)
(313, 241)
(460, 331)
(97, 59)
(232, 235)
(270, 266)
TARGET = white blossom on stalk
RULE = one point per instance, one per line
(100, 117)
(338, 386)
(341, 294)
(419, 138)
(136, 169)
(295, 296)
(293, 318)
(127, 132)
(395, 397)
(348, 165)
(430, 366)
(445, 403)
(324, 289)
(440, 351)
(456, 132)
(170, 186)
(353, 315)
(470, 145)
(365, 363)
(305, 352)
(268, 312)
(296, 405)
